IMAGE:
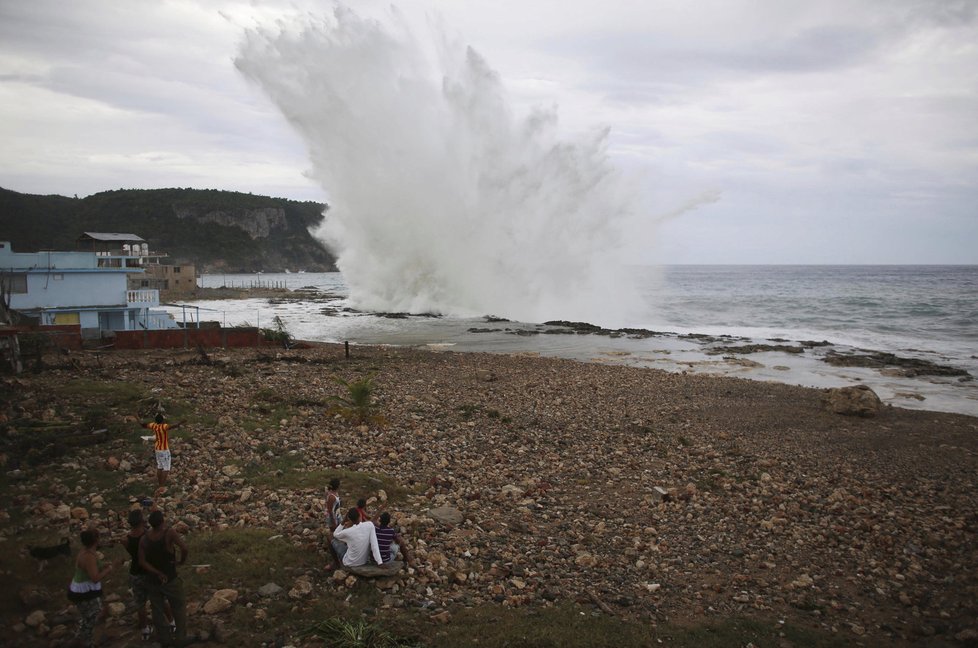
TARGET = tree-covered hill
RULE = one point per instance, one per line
(216, 230)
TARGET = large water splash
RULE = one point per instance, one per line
(443, 200)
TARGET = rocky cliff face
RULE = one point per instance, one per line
(257, 223)
(215, 230)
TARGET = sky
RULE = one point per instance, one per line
(755, 131)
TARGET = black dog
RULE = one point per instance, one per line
(44, 554)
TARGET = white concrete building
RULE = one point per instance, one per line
(85, 288)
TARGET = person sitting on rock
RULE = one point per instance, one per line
(362, 510)
(390, 541)
(356, 542)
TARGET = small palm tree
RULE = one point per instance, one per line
(358, 404)
(355, 634)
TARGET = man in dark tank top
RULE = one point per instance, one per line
(157, 556)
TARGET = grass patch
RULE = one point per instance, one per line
(248, 557)
(111, 393)
(286, 471)
(572, 626)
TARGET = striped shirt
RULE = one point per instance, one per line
(162, 432)
(385, 537)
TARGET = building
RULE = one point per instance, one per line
(88, 288)
(115, 249)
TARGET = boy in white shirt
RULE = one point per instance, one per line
(356, 541)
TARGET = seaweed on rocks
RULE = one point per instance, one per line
(910, 367)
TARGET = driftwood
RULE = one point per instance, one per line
(601, 604)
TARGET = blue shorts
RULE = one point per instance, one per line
(339, 547)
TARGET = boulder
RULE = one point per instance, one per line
(221, 600)
(447, 515)
(856, 400)
(377, 571)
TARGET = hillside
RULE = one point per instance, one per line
(216, 230)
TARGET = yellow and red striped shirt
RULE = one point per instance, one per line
(162, 432)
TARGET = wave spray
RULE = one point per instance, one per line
(441, 199)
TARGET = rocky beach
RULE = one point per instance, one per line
(522, 484)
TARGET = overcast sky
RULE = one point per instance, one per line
(832, 131)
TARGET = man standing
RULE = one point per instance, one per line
(137, 575)
(157, 557)
(161, 429)
(356, 541)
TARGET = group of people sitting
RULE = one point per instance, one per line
(355, 540)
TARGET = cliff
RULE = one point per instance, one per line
(215, 230)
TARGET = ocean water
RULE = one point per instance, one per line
(928, 313)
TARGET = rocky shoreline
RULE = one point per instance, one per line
(528, 482)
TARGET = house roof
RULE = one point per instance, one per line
(109, 236)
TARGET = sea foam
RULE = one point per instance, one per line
(442, 199)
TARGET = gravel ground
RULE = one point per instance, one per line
(652, 496)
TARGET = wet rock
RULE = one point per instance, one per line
(856, 400)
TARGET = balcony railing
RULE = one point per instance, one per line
(143, 297)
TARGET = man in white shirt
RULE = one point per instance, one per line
(356, 541)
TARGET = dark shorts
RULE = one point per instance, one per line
(137, 583)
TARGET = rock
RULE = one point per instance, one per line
(79, 513)
(33, 597)
(377, 571)
(125, 466)
(112, 463)
(217, 604)
(301, 589)
(485, 375)
(968, 634)
(856, 400)
(447, 515)
(660, 494)
(441, 617)
(585, 560)
(269, 589)
(230, 470)
(229, 594)
(116, 609)
(35, 618)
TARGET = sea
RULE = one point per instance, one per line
(699, 319)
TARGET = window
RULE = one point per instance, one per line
(176, 269)
(14, 283)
